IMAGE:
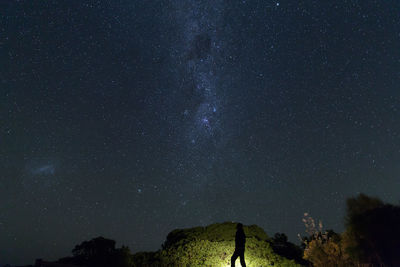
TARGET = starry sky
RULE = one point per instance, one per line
(130, 118)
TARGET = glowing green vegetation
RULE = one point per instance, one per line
(214, 245)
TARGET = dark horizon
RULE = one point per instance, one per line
(128, 119)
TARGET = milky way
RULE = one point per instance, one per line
(200, 48)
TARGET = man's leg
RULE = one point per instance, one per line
(234, 257)
(242, 261)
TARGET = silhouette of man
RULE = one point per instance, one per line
(240, 241)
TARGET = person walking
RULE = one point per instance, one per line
(240, 241)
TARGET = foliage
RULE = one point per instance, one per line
(359, 205)
(200, 246)
(286, 249)
(372, 231)
(146, 259)
(94, 248)
(372, 236)
(323, 248)
(99, 252)
(123, 257)
(214, 245)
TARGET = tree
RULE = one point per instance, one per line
(96, 252)
(372, 231)
(100, 252)
(123, 257)
(323, 248)
(359, 205)
(283, 247)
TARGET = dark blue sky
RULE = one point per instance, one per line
(129, 119)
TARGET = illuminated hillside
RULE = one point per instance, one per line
(213, 245)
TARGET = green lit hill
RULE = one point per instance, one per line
(213, 245)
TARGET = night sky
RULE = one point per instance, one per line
(131, 118)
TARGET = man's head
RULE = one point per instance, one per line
(239, 226)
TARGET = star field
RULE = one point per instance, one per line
(129, 119)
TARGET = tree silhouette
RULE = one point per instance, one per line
(372, 231)
(96, 251)
(283, 247)
(99, 252)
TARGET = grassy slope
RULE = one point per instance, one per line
(213, 245)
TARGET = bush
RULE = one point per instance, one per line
(214, 245)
